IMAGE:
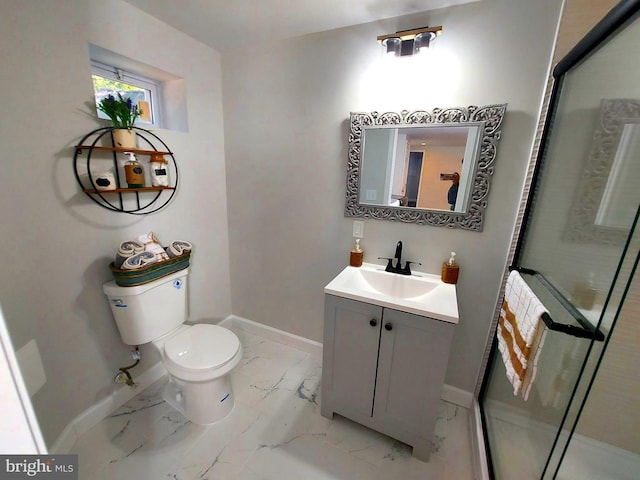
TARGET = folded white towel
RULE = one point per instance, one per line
(178, 247)
(520, 327)
(152, 245)
(127, 249)
(139, 260)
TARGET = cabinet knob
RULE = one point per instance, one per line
(388, 326)
(373, 322)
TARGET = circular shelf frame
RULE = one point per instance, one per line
(145, 200)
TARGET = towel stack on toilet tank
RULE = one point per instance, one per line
(144, 259)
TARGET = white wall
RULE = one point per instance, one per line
(57, 244)
(286, 111)
(285, 187)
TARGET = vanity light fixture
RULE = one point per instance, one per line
(393, 45)
(409, 42)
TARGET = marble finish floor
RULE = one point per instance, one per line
(275, 432)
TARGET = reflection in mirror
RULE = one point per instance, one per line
(616, 210)
(428, 167)
(605, 207)
(423, 167)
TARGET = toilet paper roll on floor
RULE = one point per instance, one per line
(178, 247)
(126, 250)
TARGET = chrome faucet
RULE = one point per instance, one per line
(398, 267)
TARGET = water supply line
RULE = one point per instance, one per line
(124, 376)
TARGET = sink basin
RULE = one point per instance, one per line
(420, 293)
(393, 285)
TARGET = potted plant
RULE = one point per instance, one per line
(123, 114)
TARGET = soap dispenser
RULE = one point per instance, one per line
(450, 270)
(134, 173)
(356, 255)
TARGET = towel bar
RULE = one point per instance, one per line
(586, 330)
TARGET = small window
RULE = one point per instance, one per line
(143, 91)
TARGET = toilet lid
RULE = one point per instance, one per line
(202, 347)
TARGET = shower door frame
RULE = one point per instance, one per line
(604, 29)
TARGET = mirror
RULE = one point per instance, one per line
(423, 167)
(605, 206)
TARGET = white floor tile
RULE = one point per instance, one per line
(275, 431)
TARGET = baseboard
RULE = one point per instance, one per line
(300, 343)
(516, 416)
(478, 448)
(457, 396)
(93, 415)
(98, 412)
(450, 394)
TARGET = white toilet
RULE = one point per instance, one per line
(199, 358)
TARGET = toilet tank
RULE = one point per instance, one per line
(146, 312)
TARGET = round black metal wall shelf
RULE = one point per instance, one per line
(99, 148)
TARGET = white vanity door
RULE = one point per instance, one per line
(350, 356)
(412, 364)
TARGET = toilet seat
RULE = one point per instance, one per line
(201, 352)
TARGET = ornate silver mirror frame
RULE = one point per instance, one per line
(489, 117)
(582, 225)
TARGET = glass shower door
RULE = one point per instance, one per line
(604, 442)
(579, 250)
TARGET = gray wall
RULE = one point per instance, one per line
(57, 244)
(286, 110)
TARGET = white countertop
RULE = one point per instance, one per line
(371, 284)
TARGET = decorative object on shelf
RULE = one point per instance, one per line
(101, 181)
(123, 114)
(105, 182)
(125, 138)
(159, 173)
(104, 158)
(134, 172)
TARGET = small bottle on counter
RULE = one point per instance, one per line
(356, 255)
(450, 270)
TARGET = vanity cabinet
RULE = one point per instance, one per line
(384, 369)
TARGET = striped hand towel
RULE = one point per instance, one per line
(521, 333)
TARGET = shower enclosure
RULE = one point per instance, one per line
(578, 251)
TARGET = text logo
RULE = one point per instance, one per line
(51, 467)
